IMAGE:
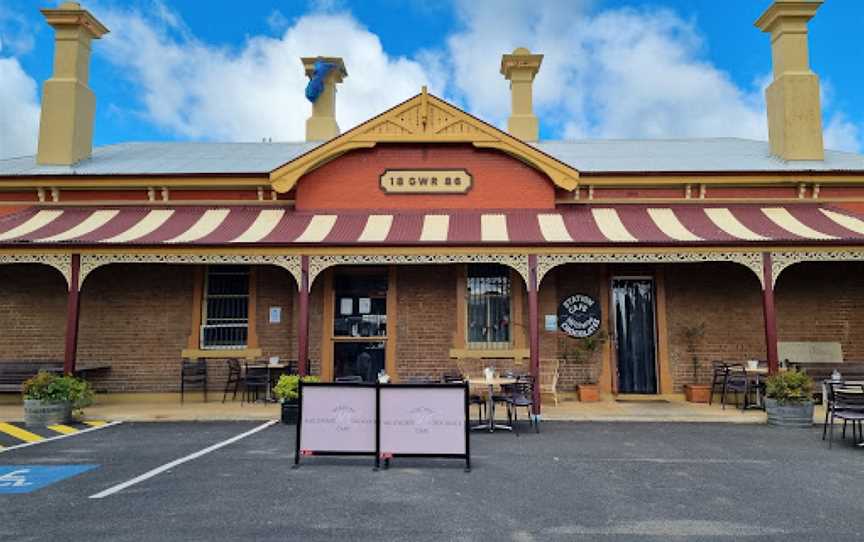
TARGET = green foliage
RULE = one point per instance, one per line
(53, 388)
(286, 389)
(790, 387)
(692, 335)
(580, 350)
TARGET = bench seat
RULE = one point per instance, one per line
(822, 371)
(13, 373)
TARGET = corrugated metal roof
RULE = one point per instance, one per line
(693, 224)
(589, 156)
(167, 158)
(703, 155)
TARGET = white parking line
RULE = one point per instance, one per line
(58, 437)
(167, 466)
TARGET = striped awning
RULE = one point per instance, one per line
(568, 225)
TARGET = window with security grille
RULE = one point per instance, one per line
(225, 322)
(488, 305)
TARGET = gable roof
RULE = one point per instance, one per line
(425, 118)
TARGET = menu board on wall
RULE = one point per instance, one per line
(337, 419)
(423, 420)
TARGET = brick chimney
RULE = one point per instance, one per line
(794, 113)
(321, 126)
(519, 68)
(68, 104)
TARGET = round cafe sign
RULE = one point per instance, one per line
(579, 315)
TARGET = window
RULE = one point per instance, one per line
(226, 307)
(488, 306)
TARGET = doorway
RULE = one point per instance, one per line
(635, 342)
(359, 337)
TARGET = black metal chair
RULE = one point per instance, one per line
(718, 380)
(193, 373)
(255, 381)
(738, 381)
(235, 377)
(351, 379)
(828, 401)
(473, 398)
(521, 395)
(846, 403)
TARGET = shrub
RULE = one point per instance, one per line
(286, 389)
(790, 387)
(53, 388)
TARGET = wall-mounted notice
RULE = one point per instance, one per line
(423, 420)
(346, 306)
(275, 315)
(337, 419)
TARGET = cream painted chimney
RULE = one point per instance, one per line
(794, 113)
(68, 104)
(322, 126)
(519, 68)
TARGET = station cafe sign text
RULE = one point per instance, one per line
(426, 181)
(579, 316)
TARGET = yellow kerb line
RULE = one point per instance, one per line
(19, 433)
(65, 429)
(95, 423)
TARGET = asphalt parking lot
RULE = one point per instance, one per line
(574, 481)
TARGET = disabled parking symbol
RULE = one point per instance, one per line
(28, 478)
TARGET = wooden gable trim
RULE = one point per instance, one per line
(424, 119)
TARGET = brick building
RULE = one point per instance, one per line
(426, 241)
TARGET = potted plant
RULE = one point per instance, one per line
(51, 398)
(692, 336)
(789, 399)
(582, 350)
(287, 393)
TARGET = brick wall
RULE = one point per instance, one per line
(276, 288)
(353, 180)
(823, 302)
(561, 282)
(426, 320)
(32, 313)
(728, 299)
(138, 318)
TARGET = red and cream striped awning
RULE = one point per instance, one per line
(571, 225)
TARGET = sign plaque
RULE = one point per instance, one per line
(579, 315)
(426, 181)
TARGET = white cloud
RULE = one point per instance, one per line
(608, 73)
(17, 32)
(19, 110)
(204, 91)
(842, 135)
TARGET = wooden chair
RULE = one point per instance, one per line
(549, 378)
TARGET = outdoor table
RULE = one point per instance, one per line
(269, 367)
(490, 404)
(758, 372)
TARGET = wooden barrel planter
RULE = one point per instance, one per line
(37, 412)
(790, 415)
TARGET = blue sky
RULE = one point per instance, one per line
(613, 68)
